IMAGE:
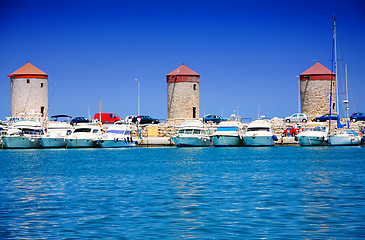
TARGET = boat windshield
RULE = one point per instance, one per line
(32, 131)
(192, 131)
(316, 129)
(226, 129)
(82, 130)
(255, 129)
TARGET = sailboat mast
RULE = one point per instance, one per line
(331, 86)
(336, 79)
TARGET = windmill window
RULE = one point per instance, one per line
(28, 81)
(41, 85)
(194, 86)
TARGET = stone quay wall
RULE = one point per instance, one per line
(278, 125)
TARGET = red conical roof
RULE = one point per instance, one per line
(317, 69)
(28, 70)
(182, 71)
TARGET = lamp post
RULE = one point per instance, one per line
(298, 94)
(138, 116)
(138, 96)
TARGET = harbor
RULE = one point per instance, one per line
(154, 120)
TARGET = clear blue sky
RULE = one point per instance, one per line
(248, 53)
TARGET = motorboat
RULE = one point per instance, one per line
(259, 133)
(56, 131)
(192, 134)
(24, 133)
(314, 135)
(229, 133)
(345, 138)
(117, 136)
(84, 136)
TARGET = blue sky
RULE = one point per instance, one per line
(248, 53)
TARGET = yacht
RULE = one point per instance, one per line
(24, 133)
(314, 135)
(117, 136)
(258, 133)
(192, 134)
(229, 133)
(54, 136)
(83, 136)
(345, 138)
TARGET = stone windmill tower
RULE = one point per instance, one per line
(183, 94)
(315, 88)
(29, 91)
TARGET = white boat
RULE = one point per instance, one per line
(258, 133)
(229, 133)
(54, 136)
(192, 134)
(24, 133)
(315, 135)
(83, 136)
(117, 136)
(345, 138)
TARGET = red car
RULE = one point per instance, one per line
(292, 131)
(107, 117)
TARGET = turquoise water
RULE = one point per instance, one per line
(177, 193)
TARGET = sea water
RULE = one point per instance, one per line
(176, 193)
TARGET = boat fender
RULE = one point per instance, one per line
(127, 139)
(131, 139)
(274, 137)
(296, 138)
(115, 140)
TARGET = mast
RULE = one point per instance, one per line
(333, 53)
(335, 49)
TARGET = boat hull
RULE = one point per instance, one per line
(192, 141)
(79, 143)
(344, 141)
(115, 144)
(21, 142)
(53, 142)
(257, 141)
(312, 141)
(227, 141)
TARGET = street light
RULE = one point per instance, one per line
(138, 116)
(298, 94)
(138, 97)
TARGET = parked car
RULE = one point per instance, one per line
(292, 131)
(214, 118)
(107, 117)
(145, 120)
(77, 120)
(297, 117)
(128, 119)
(357, 117)
(325, 117)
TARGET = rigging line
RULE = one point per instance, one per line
(26, 103)
(49, 105)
